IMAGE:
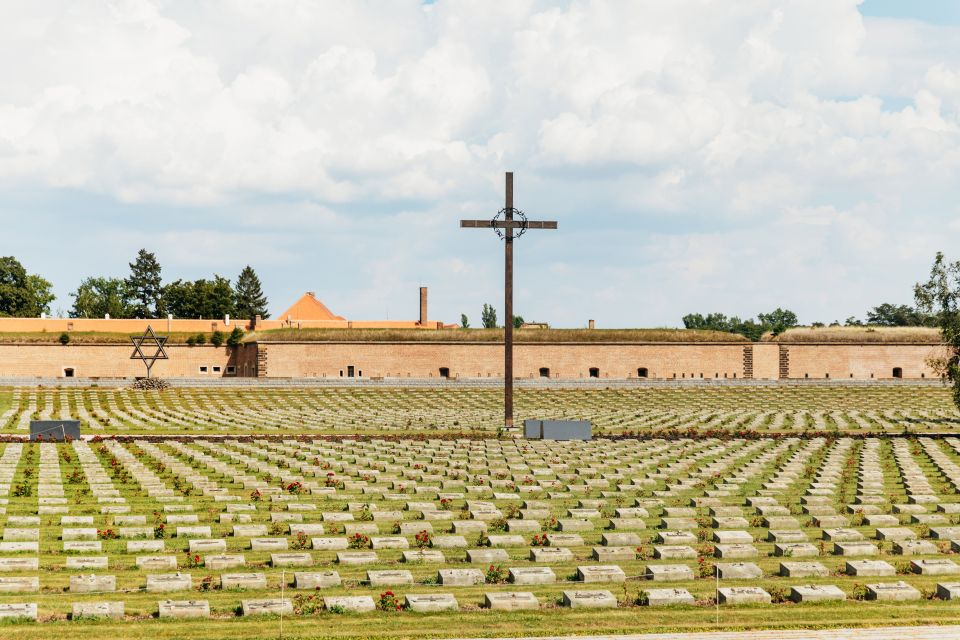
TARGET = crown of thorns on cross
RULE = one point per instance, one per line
(150, 341)
(518, 216)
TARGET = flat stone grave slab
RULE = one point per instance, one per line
(487, 556)
(510, 601)
(91, 583)
(892, 591)
(224, 561)
(389, 578)
(669, 572)
(855, 549)
(243, 581)
(936, 567)
(742, 595)
(619, 540)
(266, 606)
(207, 545)
(816, 593)
(868, 568)
(88, 563)
(786, 536)
(675, 538)
(915, 548)
(601, 573)
(551, 554)
(948, 590)
(564, 540)
(666, 597)
(329, 544)
(460, 577)
(161, 582)
(735, 551)
(97, 610)
(349, 603)
(795, 549)
(842, 535)
(19, 564)
(895, 533)
(506, 541)
(588, 599)
(356, 557)
(156, 563)
(79, 546)
(738, 570)
(302, 559)
(19, 610)
(531, 575)
(449, 542)
(268, 544)
(673, 552)
(802, 570)
(21, 584)
(184, 608)
(316, 579)
(431, 602)
(613, 554)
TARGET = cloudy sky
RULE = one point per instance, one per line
(699, 155)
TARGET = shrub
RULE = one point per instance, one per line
(538, 540)
(903, 567)
(777, 594)
(200, 339)
(642, 599)
(64, 338)
(278, 528)
(358, 541)
(496, 574)
(159, 531)
(422, 539)
(107, 534)
(256, 496)
(216, 339)
(388, 601)
(300, 541)
(192, 340)
(306, 604)
(859, 591)
(235, 337)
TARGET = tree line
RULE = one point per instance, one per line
(142, 294)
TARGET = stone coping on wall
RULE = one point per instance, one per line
(534, 383)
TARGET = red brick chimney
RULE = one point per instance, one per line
(423, 306)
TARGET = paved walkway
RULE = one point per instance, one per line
(880, 633)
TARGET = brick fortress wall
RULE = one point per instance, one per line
(763, 361)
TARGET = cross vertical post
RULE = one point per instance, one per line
(509, 224)
(508, 305)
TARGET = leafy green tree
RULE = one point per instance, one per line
(97, 297)
(145, 286)
(489, 317)
(517, 321)
(21, 294)
(200, 299)
(853, 321)
(778, 320)
(899, 315)
(464, 321)
(249, 300)
(940, 296)
(41, 294)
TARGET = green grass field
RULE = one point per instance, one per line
(446, 410)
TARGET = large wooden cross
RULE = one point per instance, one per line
(505, 224)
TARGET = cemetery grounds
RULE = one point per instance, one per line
(398, 512)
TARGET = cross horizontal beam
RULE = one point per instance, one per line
(508, 224)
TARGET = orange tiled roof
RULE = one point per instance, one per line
(309, 308)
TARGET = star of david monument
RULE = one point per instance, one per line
(149, 348)
(509, 224)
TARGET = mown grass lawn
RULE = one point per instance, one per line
(487, 624)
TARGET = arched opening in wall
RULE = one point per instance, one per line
(544, 372)
(444, 372)
(68, 372)
(897, 372)
(594, 372)
(643, 373)
(827, 376)
(341, 373)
